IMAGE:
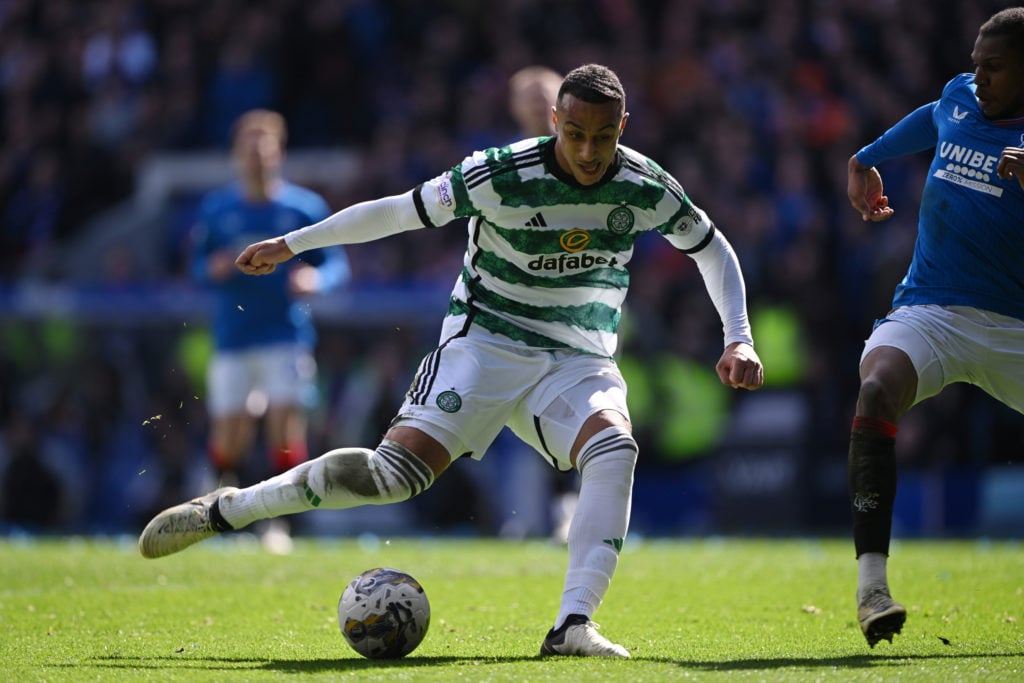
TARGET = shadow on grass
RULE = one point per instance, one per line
(307, 666)
(310, 666)
(847, 662)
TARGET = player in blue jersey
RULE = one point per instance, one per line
(958, 314)
(528, 341)
(263, 364)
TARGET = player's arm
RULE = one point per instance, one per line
(1011, 164)
(208, 264)
(914, 132)
(739, 365)
(358, 223)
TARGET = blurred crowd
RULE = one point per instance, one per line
(754, 107)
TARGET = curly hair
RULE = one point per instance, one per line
(1008, 22)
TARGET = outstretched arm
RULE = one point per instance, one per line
(864, 188)
(358, 223)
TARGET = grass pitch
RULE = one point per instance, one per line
(705, 610)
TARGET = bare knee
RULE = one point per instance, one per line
(876, 400)
(888, 384)
(423, 446)
(598, 422)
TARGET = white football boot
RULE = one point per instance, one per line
(578, 637)
(178, 527)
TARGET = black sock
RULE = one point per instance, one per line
(217, 521)
(872, 482)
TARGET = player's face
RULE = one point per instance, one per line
(999, 77)
(258, 150)
(531, 107)
(588, 136)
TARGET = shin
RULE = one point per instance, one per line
(601, 519)
(339, 479)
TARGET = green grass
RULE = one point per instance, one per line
(705, 610)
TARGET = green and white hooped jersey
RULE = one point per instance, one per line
(546, 260)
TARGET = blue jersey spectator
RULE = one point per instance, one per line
(263, 365)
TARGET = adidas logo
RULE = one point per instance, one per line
(537, 221)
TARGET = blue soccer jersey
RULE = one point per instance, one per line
(970, 241)
(257, 311)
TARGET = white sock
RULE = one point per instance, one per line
(274, 497)
(339, 479)
(871, 572)
(600, 520)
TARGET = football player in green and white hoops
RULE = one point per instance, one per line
(527, 341)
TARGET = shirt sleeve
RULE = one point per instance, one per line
(723, 278)
(690, 229)
(358, 223)
(914, 133)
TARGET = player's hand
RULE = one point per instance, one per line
(262, 258)
(864, 188)
(740, 368)
(1011, 164)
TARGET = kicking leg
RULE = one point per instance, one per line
(339, 479)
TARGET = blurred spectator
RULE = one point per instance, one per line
(263, 367)
(120, 47)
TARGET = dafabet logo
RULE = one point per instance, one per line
(572, 242)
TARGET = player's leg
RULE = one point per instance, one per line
(605, 455)
(404, 464)
(231, 438)
(232, 428)
(289, 379)
(285, 435)
(432, 424)
(1002, 372)
(899, 368)
(888, 382)
(587, 427)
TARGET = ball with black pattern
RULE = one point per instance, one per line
(384, 613)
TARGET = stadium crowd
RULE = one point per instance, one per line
(755, 108)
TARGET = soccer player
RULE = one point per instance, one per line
(527, 340)
(958, 314)
(263, 363)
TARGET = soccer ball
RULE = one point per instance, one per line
(384, 613)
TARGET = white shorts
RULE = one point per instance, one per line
(251, 380)
(949, 344)
(469, 388)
